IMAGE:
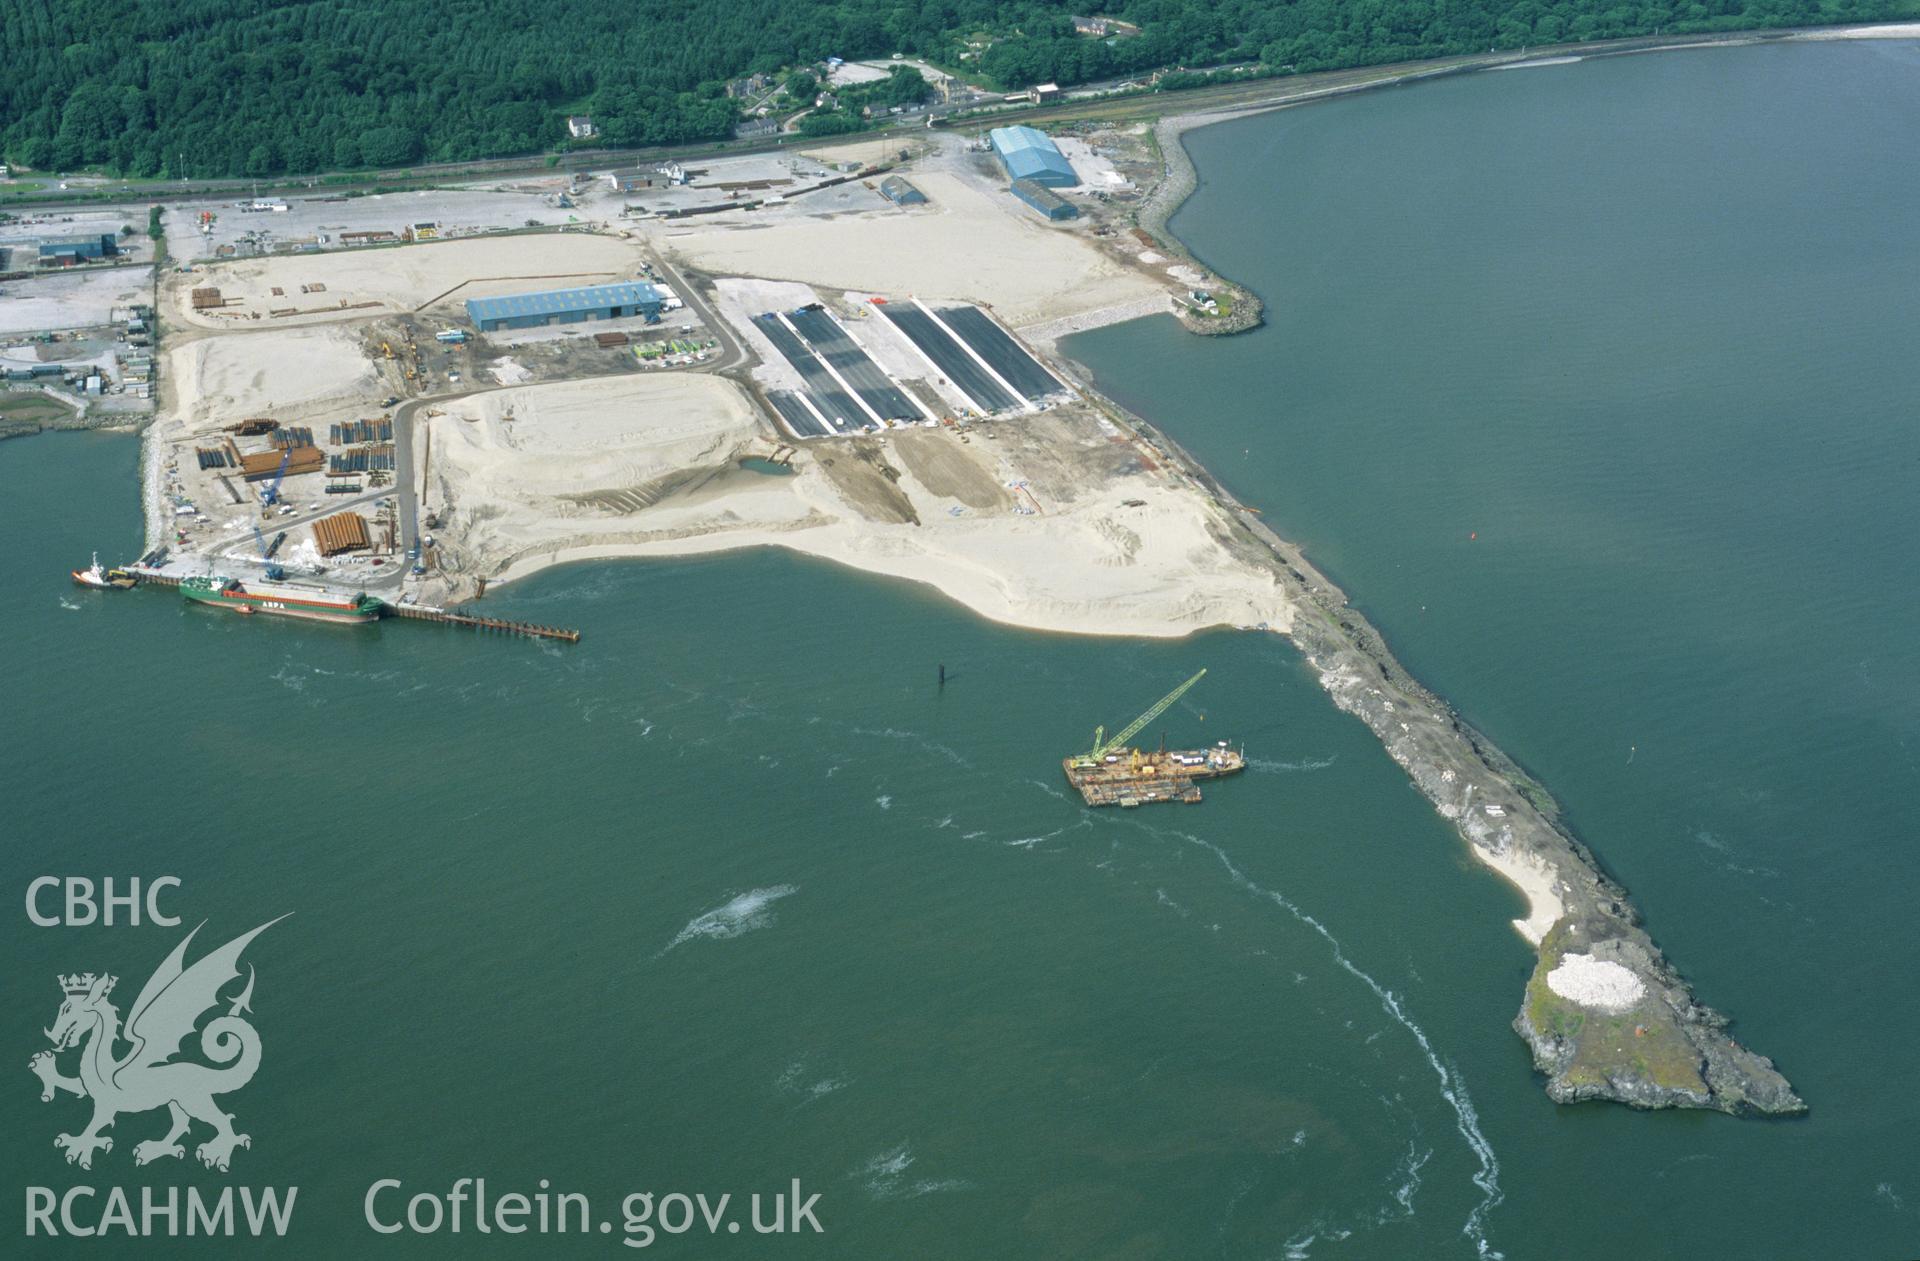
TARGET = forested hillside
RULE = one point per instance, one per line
(262, 87)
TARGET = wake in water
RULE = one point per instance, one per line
(1452, 1089)
(1268, 766)
(914, 737)
(743, 914)
(1028, 842)
(885, 1177)
(800, 1080)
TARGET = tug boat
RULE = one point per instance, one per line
(94, 578)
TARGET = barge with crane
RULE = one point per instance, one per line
(1114, 773)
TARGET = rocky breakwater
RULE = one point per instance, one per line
(1215, 306)
(1234, 310)
(1606, 1015)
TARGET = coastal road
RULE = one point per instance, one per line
(1249, 94)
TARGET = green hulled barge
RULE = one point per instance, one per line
(313, 604)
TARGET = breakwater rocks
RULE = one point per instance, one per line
(1653, 1047)
(1240, 310)
(11, 428)
(1237, 309)
(1605, 1014)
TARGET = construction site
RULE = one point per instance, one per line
(815, 364)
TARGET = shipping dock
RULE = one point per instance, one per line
(1113, 773)
(320, 604)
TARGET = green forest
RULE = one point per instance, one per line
(170, 88)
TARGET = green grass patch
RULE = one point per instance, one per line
(1643, 1044)
(33, 407)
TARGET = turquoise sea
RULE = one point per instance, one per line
(1590, 383)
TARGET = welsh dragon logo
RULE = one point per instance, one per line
(170, 1005)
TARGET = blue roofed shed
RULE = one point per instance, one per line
(566, 306)
(1029, 155)
(1044, 199)
(71, 249)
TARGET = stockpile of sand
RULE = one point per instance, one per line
(294, 374)
(1596, 983)
(539, 443)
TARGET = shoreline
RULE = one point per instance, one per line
(1157, 211)
(1512, 826)
(1509, 822)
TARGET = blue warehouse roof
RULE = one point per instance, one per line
(1029, 155)
(91, 240)
(559, 301)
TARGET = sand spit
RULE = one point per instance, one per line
(1050, 526)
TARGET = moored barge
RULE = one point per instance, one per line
(313, 604)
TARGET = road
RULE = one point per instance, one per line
(735, 353)
(1250, 93)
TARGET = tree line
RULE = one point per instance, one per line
(202, 88)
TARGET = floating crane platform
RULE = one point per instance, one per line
(1112, 773)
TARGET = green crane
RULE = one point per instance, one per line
(1102, 746)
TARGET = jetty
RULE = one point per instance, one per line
(152, 575)
(448, 617)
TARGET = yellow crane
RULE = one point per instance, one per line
(1103, 746)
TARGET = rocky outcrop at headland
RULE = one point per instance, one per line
(1665, 1049)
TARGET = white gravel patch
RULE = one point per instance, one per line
(507, 372)
(1596, 983)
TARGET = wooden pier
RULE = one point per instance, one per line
(421, 613)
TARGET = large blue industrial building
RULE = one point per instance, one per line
(64, 251)
(1029, 155)
(567, 306)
